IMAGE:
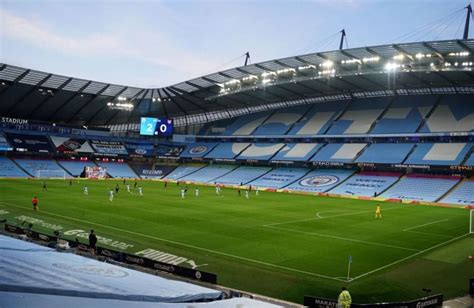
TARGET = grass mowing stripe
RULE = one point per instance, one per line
(427, 224)
(182, 244)
(343, 238)
(409, 257)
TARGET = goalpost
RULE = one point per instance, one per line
(51, 174)
(471, 221)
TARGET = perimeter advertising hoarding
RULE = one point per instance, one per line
(30, 143)
(108, 147)
(71, 145)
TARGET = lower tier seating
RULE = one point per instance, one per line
(9, 169)
(368, 184)
(463, 194)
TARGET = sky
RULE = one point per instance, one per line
(157, 43)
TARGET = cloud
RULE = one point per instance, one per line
(169, 57)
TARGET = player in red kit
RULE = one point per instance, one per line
(35, 202)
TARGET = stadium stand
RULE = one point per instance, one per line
(10, 169)
(208, 173)
(318, 119)
(281, 121)
(439, 153)
(227, 150)
(151, 171)
(470, 160)
(462, 194)
(242, 175)
(182, 171)
(198, 150)
(339, 152)
(421, 187)
(118, 170)
(321, 180)
(261, 151)
(75, 168)
(359, 117)
(279, 177)
(30, 268)
(297, 151)
(385, 153)
(367, 184)
(455, 113)
(246, 125)
(32, 166)
(404, 115)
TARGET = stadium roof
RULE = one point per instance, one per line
(430, 67)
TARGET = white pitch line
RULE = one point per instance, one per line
(183, 244)
(409, 257)
(319, 217)
(427, 224)
(344, 238)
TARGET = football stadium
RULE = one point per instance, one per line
(266, 184)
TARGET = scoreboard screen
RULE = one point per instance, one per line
(156, 127)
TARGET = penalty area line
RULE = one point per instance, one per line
(409, 257)
(183, 244)
(427, 224)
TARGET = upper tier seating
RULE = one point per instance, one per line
(455, 113)
(208, 174)
(439, 153)
(75, 167)
(261, 151)
(198, 149)
(246, 125)
(183, 170)
(404, 115)
(359, 117)
(321, 180)
(318, 119)
(385, 153)
(368, 184)
(463, 194)
(118, 170)
(32, 166)
(470, 160)
(418, 187)
(281, 121)
(339, 152)
(9, 169)
(297, 151)
(279, 177)
(242, 175)
(227, 150)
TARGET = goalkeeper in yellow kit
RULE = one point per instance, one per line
(344, 300)
(378, 212)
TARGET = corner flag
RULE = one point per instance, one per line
(349, 267)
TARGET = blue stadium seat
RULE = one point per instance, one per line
(321, 180)
(281, 121)
(385, 153)
(208, 174)
(339, 152)
(359, 117)
(455, 113)
(75, 167)
(279, 177)
(33, 166)
(118, 170)
(182, 171)
(9, 169)
(420, 188)
(366, 184)
(261, 151)
(242, 175)
(297, 151)
(198, 149)
(439, 154)
(227, 150)
(404, 115)
(246, 125)
(463, 194)
(470, 160)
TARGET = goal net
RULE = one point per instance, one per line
(51, 174)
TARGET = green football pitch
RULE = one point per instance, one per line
(275, 244)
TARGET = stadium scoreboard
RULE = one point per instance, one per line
(156, 127)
